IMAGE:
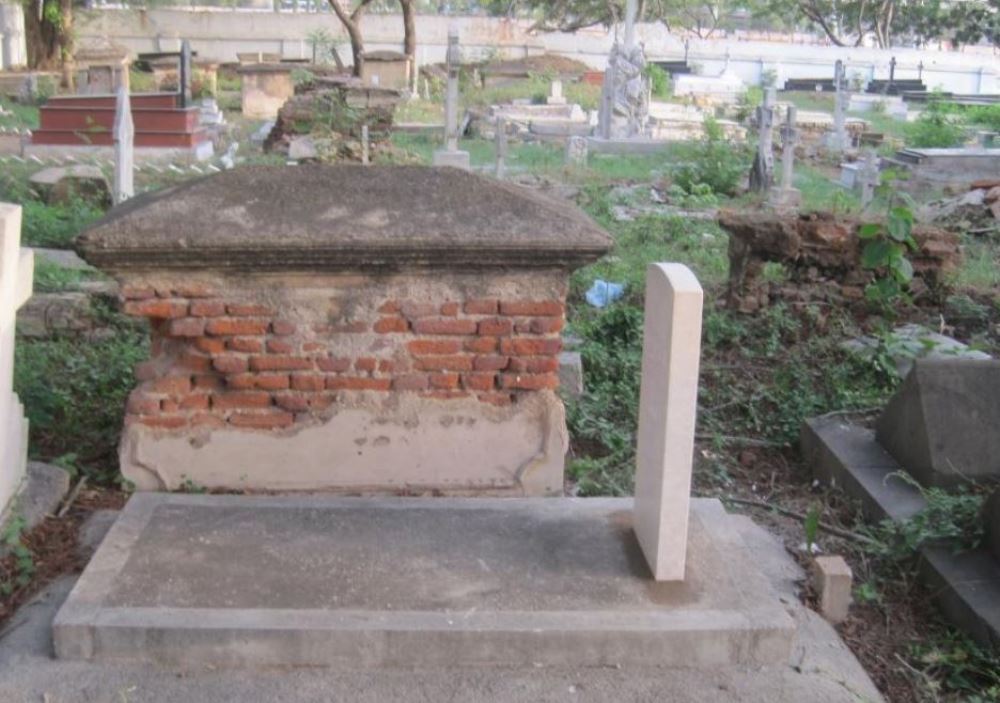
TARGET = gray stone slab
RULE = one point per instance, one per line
(941, 423)
(966, 586)
(321, 581)
(41, 493)
(65, 258)
(848, 457)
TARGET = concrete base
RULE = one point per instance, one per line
(195, 581)
(455, 159)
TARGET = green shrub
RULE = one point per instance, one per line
(74, 394)
(935, 128)
(659, 81)
(713, 161)
(55, 225)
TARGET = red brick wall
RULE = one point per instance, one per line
(222, 360)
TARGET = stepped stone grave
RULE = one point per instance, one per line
(941, 424)
(349, 327)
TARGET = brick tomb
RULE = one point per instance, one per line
(346, 327)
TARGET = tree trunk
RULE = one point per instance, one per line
(43, 39)
(352, 23)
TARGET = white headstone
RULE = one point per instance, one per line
(16, 270)
(576, 151)
(556, 94)
(451, 155)
(124, 138)
(668, 399)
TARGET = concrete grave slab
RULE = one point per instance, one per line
(191, 581)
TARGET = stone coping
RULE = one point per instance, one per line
(267, 68)
(345, 217)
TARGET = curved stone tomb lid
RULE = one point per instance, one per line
(317, 217)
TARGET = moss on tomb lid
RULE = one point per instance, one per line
(342, 217)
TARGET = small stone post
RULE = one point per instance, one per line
(869, 179)
(124, 138)
(576, 151)
(556, 96)
(762, 171)
(16, 270)
(838, 139)
(668, 398)
(185, 74)
(450, 155)
(365, 158)
(787, 196)
(501, 147)
(892, 74)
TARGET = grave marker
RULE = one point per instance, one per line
(16, 270)
(668, 397)
(364, 144)
(185, 74)
(762, 171)
(869, 178)
(501, 146)
(451, 155)
(788, 195)
(124, 136)
(556, 96)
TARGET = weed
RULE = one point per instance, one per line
(24, 564)
(50, 277)
(714, 161)
(935, 128)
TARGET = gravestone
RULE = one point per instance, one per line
(16, 271)
(124, 135)
(787, 196)
(365, 146)
(762, 170)
(185, 74)
(624, 107)
(870, 178)
(451, 155)
(576, 151)
(941, 424)
(837, 139)
(556, 94)
(501, 147)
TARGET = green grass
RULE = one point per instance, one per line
(980, 269)
(423, 111)
(810, 101)
(820, 192)
(50, 277)
(536, 88)
(20, 116)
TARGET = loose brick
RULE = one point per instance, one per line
(247, 345)
(207, 420)
(157, 309)
(185, 327)
(134, 292)
(444, 363)
(411, 382)
(529, 382)
(283, 328)
(280, 346)
(443, 380)
(208, 308)
(501, 399)
(522, 346)
(280, 363)
(308, 382)
(140, 403)
(173, 385)
(193, 361)
(534, 364)
(434, 346)
(490, 363)
(536, 308)
(497, 327)
(389, 325)
(333, 364)
(222, 326)
(164, 421)
(366, 363)
(313, 347)
(230, 363)
(262, 421)
(413, 310)
(444, 326)
(248, 310)
(353, 383)
(482, 306)
(210, 345)
(241, 399)
(195, 401)
(478, 381)
(482, 345)
(187, 290)
(449, 309)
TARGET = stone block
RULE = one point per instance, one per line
(455, 159)
(60, 184)
(832, 580)
(571, 374)
(41, 493)
(941, 424)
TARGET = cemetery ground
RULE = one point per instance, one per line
(762, 374)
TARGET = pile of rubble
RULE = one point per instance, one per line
(324, 121)
(978, 208)
(821, 255)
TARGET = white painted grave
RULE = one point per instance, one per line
(668, 398)
(16, 269)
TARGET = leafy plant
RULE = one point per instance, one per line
(659, 81)
(887, 246)
(713, 161)
(24, 562)
(935, 128)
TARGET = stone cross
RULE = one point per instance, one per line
(16, 270)
(364, 144)
(124, 139)
(892, 72)
(869, 178)
(762, 171)
(920, 71)
(450, 155)
(787, 196)
(501, 146)
(668, 399)
(185, 73)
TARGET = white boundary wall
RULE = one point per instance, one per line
(220, 35)
(16, 269)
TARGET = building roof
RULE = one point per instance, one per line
(323, 217)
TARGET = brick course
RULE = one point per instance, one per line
(233, 362)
